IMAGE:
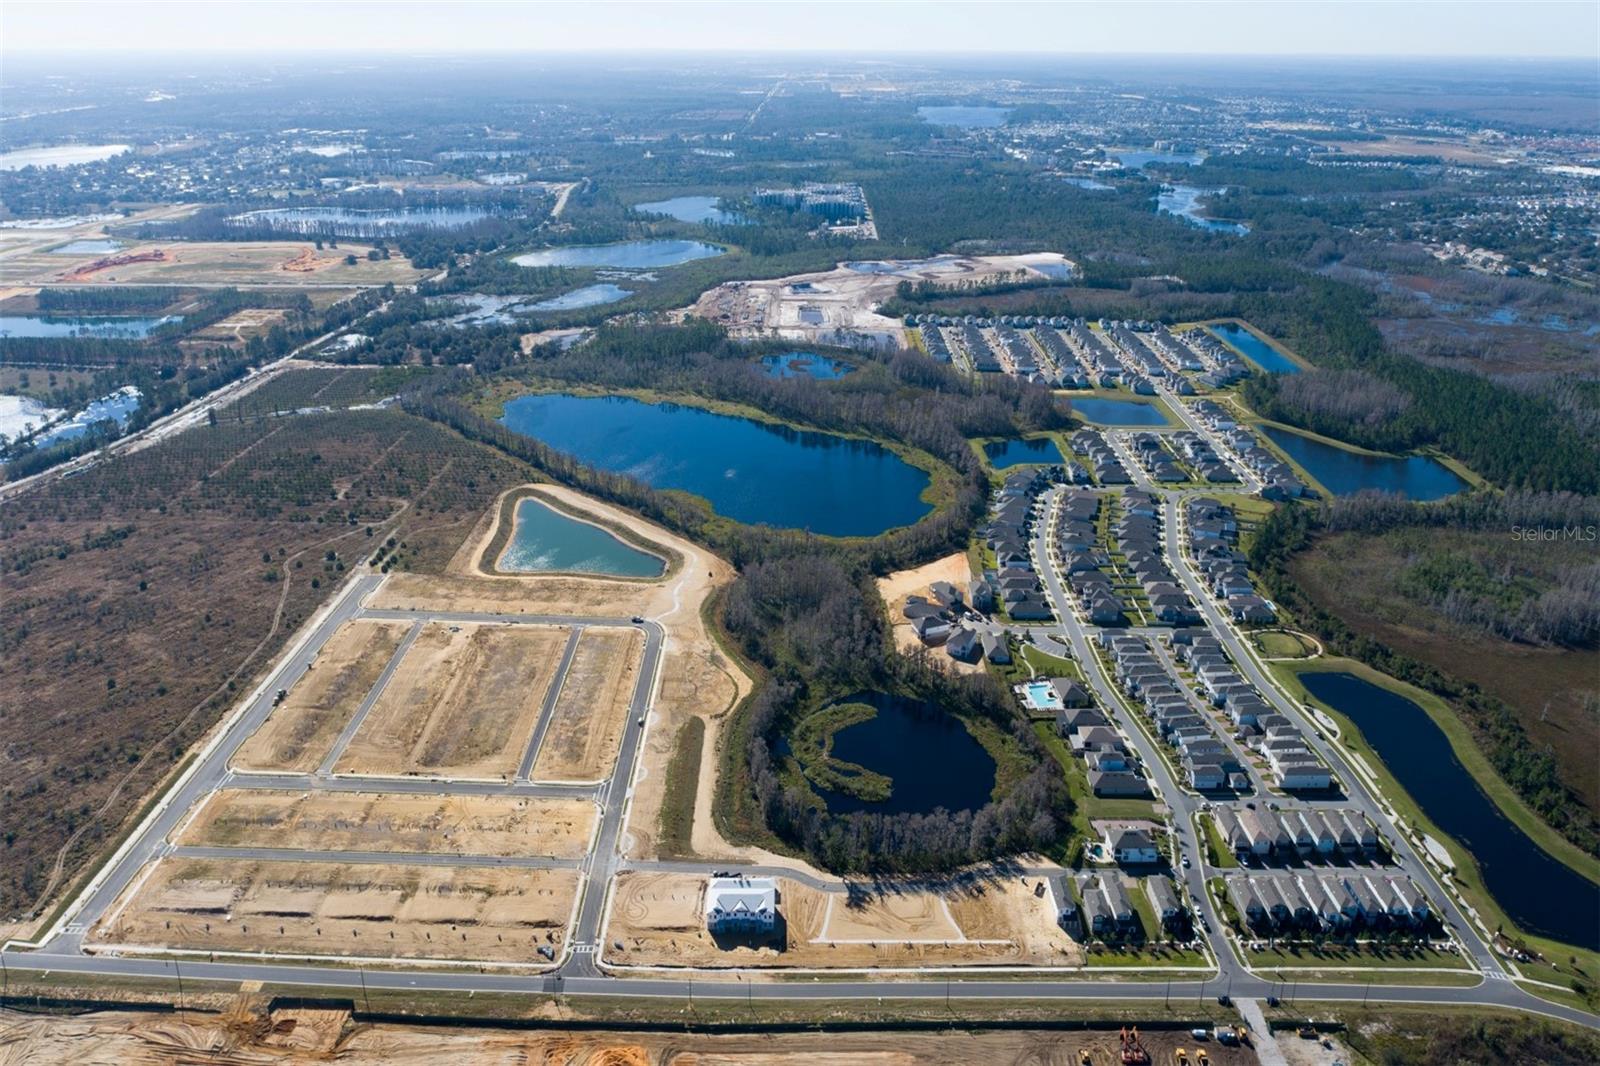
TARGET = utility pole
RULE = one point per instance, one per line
(367, 1002)
(177, 970)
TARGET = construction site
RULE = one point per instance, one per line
(839, 306)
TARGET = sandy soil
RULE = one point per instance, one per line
(590, 713)
(286, 263)
(250, 1035)
(470, 825)
(658, 919)
(389, 911)
(826, 305)
(696, 678)
(463, 702)
(301, 730)
(896, 587)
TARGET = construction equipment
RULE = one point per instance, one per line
(1201, 1058)
(1083, 1057)
(1133, 1052)
(1181, 1057)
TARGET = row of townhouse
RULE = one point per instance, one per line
(1084, 561)
(1278, 479)
(981, 357)
(934, 343)
(1264, 834)
(1098, 360)
(1067, 371)
(1107, 465)
(1203, 458)
(1014, 510)
(1213, 533)
(1138, 531)
(1019, 352)
(1208, 762)
(1280, 742)
(1328, 901)
(1144, 369)
(1158, 461)
(1222, 365)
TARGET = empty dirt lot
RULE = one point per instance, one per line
(658, 919)
(251, 1033)
(317, 908)
(287, 263)
(340, 821)
(591, 711)
(463, 702)
(301, 730)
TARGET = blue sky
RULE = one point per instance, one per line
(1482, 28)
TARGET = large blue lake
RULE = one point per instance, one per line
(311, 220)
(1117, 412)
(926, 752)
(1255, 349)
(1138, 159)
(546, 539)
(691, 209)
(629, 255)
(750, 471)
(1343, 472)
(1008, 453)
(127, 327)
(1543, 895)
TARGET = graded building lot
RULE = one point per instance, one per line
(659, 920)
(343, 909)
(301, 730)
(251, 1031)
(286, 263)
(591, 711)
(463, 702)
(393, 822)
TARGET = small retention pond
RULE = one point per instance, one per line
(804, 364)
(1255, 349)
(119, 327)
(1343, 472)
(1117, 412)
(750, 471)
(1007, 453)
(691, 209)
(928, 755)
(1537, 891)
(545, 539)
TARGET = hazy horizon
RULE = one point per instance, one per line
(1356, 29)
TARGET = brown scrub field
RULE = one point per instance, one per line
(300, 731)
(463, 702)
(344, 909)
(394, 822)
(592, 710)
(658, 918)
(285, 263)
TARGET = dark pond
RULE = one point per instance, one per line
(1255, 349)
(632, 255)
(968, 118)
(1541, 894)
(1007, 453)
(691, 209)
(804, 364)
(751, 471)
(546, 539)
(927, 753)
(1184, 202)
(1343, 472)
(1117, 412)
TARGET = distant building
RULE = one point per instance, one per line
(741, 904)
